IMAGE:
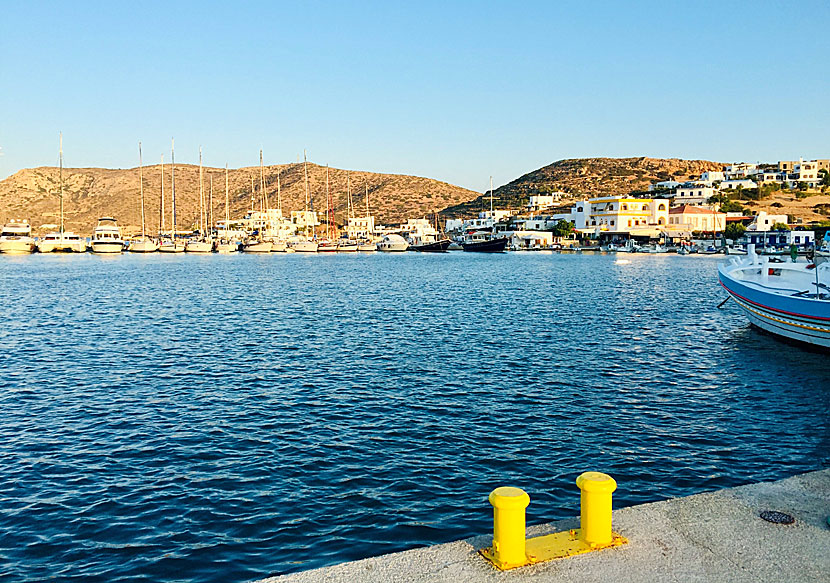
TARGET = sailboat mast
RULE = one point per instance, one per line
(328, 205)
(60, 177)
(262, 181)
(161, 202)
(349, 207)
(210, 207)
(492, 217)
(305, 171)
(141, 190)
(173, 185)
(227, 199)
(201, 198)
(367, 202)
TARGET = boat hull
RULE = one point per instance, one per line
(143, 246)
(258, 247)
(491, 246)
(305, 247)
(798, 318)
(227, 247)
(199, 247)
(435, 247)
(107, 246)
(17, 246)
(170, 247)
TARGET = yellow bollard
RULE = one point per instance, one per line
(595, 511)
(509, 527)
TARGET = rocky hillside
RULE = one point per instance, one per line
(589, 177)
(90, 193)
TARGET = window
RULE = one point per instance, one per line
(612, 223)
(629, 222)
(610, 207)
(662, 207)
(645, 207)
(625, 207)
(579, 209)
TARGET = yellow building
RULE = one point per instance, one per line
(617, 214)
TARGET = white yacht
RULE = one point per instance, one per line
(107, 237)
(347, 246)
(171, 246)
(393, 242)
(367, 246)
(143, 244)
(16, 238)
(257, 246)
(304, 246)
(66, 242)
(223, 246)
(199, 246)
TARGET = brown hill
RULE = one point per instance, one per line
(587, 177)
(90, 193)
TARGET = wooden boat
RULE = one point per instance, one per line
(496, 245)
(787, 298)
(440, 246)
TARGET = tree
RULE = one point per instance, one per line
(825, 177)
(780, 227)
(734, 231)
(731, 206)
(563, 228)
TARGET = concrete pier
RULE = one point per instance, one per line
(715, 536)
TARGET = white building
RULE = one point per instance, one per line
(539, 202)
(665, 185)
(625, 214)
(712, 176)
(733, 184)
(579, 215)
(693, 193)
(304, 219)
(765, 222)
(779, 238)
(694, 218)
(360, 227)
(740, 170)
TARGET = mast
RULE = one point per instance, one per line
(60, 178)
(305, 170)
(201, 198)
(328, 205)
(161, 202)
(349, 206)
(492, 217)
(141, 191)
(262, 181)
(173, 185)
(210, 207)
(227, 198)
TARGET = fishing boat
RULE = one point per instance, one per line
(437, 246)
(61, 241)
(393, 243)
(143, 244)
(16, 238)
(786, 298)
(106, 238)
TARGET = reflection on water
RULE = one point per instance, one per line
(229, 417)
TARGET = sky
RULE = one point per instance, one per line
(456, 91)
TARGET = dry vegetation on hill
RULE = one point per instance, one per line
(91, 193)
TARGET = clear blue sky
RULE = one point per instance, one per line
(450, 90)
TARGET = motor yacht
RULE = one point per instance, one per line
(106, 238)
(16, 238)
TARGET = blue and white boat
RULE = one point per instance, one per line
(783, 297)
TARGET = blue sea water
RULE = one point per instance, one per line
(226, 418)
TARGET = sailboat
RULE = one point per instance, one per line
(225, 245)
(483, 242)
(172, 245)
(61, 241)
(144, 244)
(368, 245)
(327, 245)
(258, 244)
(279, 243)
(202, 244)
(307, 245)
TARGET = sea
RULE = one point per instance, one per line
(228, 418)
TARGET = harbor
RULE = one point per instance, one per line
(238, 417)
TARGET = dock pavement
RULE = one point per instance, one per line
(714, 536)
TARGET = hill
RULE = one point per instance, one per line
(90, 193)
(586, 177)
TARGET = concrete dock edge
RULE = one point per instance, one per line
(714, 536)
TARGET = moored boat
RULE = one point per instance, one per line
(393, 243)
(347, 246)
(304, 246)
(106, 238)
(786, 298)
(439, 246)
(61, 241)
(496, 245)
(16, 238)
